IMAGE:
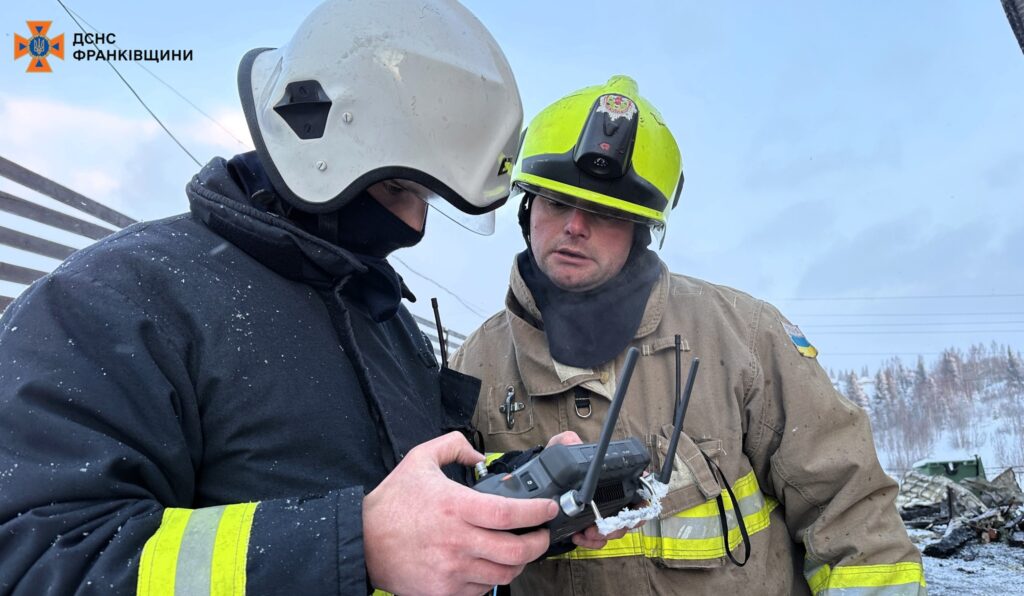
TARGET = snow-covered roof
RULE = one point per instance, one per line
(948, 456)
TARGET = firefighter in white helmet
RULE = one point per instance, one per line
(776, 487)
(235, 400)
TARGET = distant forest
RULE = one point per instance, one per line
(972, 401)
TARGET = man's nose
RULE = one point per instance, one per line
(578, 223)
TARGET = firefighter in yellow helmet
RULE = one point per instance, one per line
(604, 149)
(776, 486)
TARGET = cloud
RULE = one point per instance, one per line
(127, 163)
(28, 120)
(785, 154)
(227, 131)
(94, 183)
(72, 145)
(1005, 173)
(907, 256)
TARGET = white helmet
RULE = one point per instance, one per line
(371, 90)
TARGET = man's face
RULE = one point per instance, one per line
(576, 249)
(403, 199)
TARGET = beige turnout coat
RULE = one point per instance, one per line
(798, 456)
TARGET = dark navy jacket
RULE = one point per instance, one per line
(205, 359)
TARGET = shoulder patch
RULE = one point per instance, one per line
(800, 340)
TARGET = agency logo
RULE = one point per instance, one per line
(38, 47)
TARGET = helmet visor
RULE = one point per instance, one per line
(521, 188)
(482, 224)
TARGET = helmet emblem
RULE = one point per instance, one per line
(617, 106)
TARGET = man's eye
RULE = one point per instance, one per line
(393, 187)
(554, 204)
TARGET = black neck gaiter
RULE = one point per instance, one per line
(363, 227)
(587, 329)
(371, 233)
(366, 227)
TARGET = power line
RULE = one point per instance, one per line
(132, 89)
(881, 353)
(912, 314)
(1001, 331)
(197, 108)
(923, 297)
(171, 87)
(820, 325)
(442, 286)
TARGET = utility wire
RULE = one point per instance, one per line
(997, 331)
(883, 354)
(132, 89)
(823, 325)
(911, 314)
(440, 285)
(929, 297)
(175, 91)
(76, 18)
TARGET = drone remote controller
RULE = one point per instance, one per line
(597, 478)
(561, 469)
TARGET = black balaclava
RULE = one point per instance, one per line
(363, 226)
(586, 329)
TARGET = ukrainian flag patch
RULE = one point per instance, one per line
(800, 340)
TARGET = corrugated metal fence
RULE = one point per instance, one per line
(18, 274)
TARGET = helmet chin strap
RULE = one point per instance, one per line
(327, 226)
(524, 215)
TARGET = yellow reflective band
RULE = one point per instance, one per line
(712, 548)
(594, 197)
(160, 555)
(817, 577)
(633, 544)
(745, 487)
(208, 546)
(824, 579)
(230, 549)
(696, 532)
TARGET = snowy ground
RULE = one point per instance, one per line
(977, 569)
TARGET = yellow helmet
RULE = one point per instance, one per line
(603, 149)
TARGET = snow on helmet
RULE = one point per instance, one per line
(603, 149)
(375, 90)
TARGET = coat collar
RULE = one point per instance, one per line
(218, 201)
(541, 374)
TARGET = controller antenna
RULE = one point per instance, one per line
(681, 403)
(574, 501)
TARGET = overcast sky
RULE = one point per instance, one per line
(858, 164)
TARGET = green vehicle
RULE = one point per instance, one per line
(954, 469)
